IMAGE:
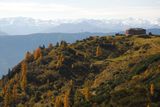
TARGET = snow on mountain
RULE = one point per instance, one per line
(23, 25)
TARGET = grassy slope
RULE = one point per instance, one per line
(120, 77)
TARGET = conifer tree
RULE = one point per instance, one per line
(98, 51)
(49, 93)
(4, 90)
(63, 44)
(57, 44)
(66, 99)
(50, 46)
(1, 83)
(27, 56)
(24, 76)
(14, 92)
(148, 105)
(85, 91)
(152, 89)
(37, 53)
(71, 83)
(58, 101)
(6, 99)
(60, 60)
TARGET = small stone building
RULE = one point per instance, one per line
(135, 31)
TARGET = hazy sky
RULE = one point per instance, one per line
(77, 9)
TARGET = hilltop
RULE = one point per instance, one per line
(108, 71)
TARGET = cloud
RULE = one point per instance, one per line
(36, 9)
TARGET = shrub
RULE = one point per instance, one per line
(142, 66)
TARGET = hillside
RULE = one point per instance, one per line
(108, 71)
(19, 44)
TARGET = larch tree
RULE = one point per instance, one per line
(152, 89)
(66, 99)
(4, 90)
(1, 83)
(60, 60)
(37, 53)
(14, 92)
(71, 82)
(7, 94)
(98, 51)
(24, 76)
(58, 101)
(6, 99)
(113, 42)
(148, 105)
(27, 56)
(85, 91)
(50, 46)
(49, 93)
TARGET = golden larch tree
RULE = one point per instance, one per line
(14, 92)
(60, 60)
(6, 99)
(71, 82)
(98, 51)
(85, 91)
(24, 76)
(66, 100)
(58, 101)
(4, 90)
(49, 93)
(37, 53)
(148, 105)
(152, 89)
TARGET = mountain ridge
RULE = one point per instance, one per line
(30, 25)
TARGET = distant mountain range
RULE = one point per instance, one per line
(3, 33)
(154, 31)
(28, 25)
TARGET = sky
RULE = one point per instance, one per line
(80, 9)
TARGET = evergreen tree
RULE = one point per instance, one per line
(50, 46)
(57, 44)
(27, 56)
(63, 44)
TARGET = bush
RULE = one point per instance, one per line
(142, 66)
(133, 97)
